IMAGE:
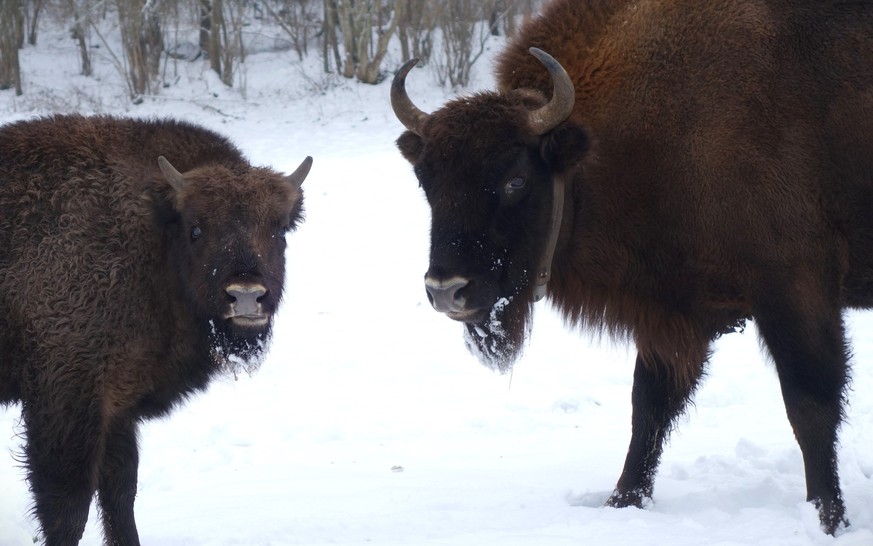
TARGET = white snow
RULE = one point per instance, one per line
(370, 423)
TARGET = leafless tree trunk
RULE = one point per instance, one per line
(205, 7)
(11, 38)
(221, 28)
(416, 29)
(403, 33)
(215, 28)
(331, 39)
(349, 16)
(359, 20)
(142, 43)
(79, 35)
(80, 12)
(232, 47)
(34, 9)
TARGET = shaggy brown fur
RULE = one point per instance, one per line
(718, 167)
(114, 298)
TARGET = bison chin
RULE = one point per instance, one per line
(499, 340)
(238, 349)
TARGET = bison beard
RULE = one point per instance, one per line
(234, 353)
(499, 341)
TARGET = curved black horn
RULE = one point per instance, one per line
(408, 113)
(545, 119)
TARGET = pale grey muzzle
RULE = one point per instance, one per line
(444, 296)
(246, 298)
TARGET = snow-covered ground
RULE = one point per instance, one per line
(369, 423)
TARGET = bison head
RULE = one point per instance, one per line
(490, 166)
(228, 245)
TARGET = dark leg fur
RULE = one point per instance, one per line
(659, 396)
(810, 355)
(62, 465)
(117, 489)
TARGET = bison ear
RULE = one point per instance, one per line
(298, 176)
(410, 145)
(565, 146)
(173, 176)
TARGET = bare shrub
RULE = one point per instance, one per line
(298, 19)
(465, 30)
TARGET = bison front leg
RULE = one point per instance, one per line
(61, 456)
(660, 394)
(117, 488)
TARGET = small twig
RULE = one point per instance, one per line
(217, 111)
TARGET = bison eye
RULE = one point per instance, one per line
(514, 189)
(196, 233)
(515, 185)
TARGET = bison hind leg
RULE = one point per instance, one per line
(807, 344)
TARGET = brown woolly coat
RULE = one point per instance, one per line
(725, 158)
(116, 292)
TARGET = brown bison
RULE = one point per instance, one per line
(671, 169)
(127, 280)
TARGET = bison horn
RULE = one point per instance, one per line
(173, 176)
(298, 176)
(548, 117)
(407, 112)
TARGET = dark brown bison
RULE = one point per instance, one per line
(127, 280)
(697, 164)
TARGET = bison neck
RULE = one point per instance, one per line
(607, 281)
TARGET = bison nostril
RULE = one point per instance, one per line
(463, 290)
(447, 296)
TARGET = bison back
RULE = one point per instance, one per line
(722, 131)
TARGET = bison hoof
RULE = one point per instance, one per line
(624, 499)
(832, 516)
